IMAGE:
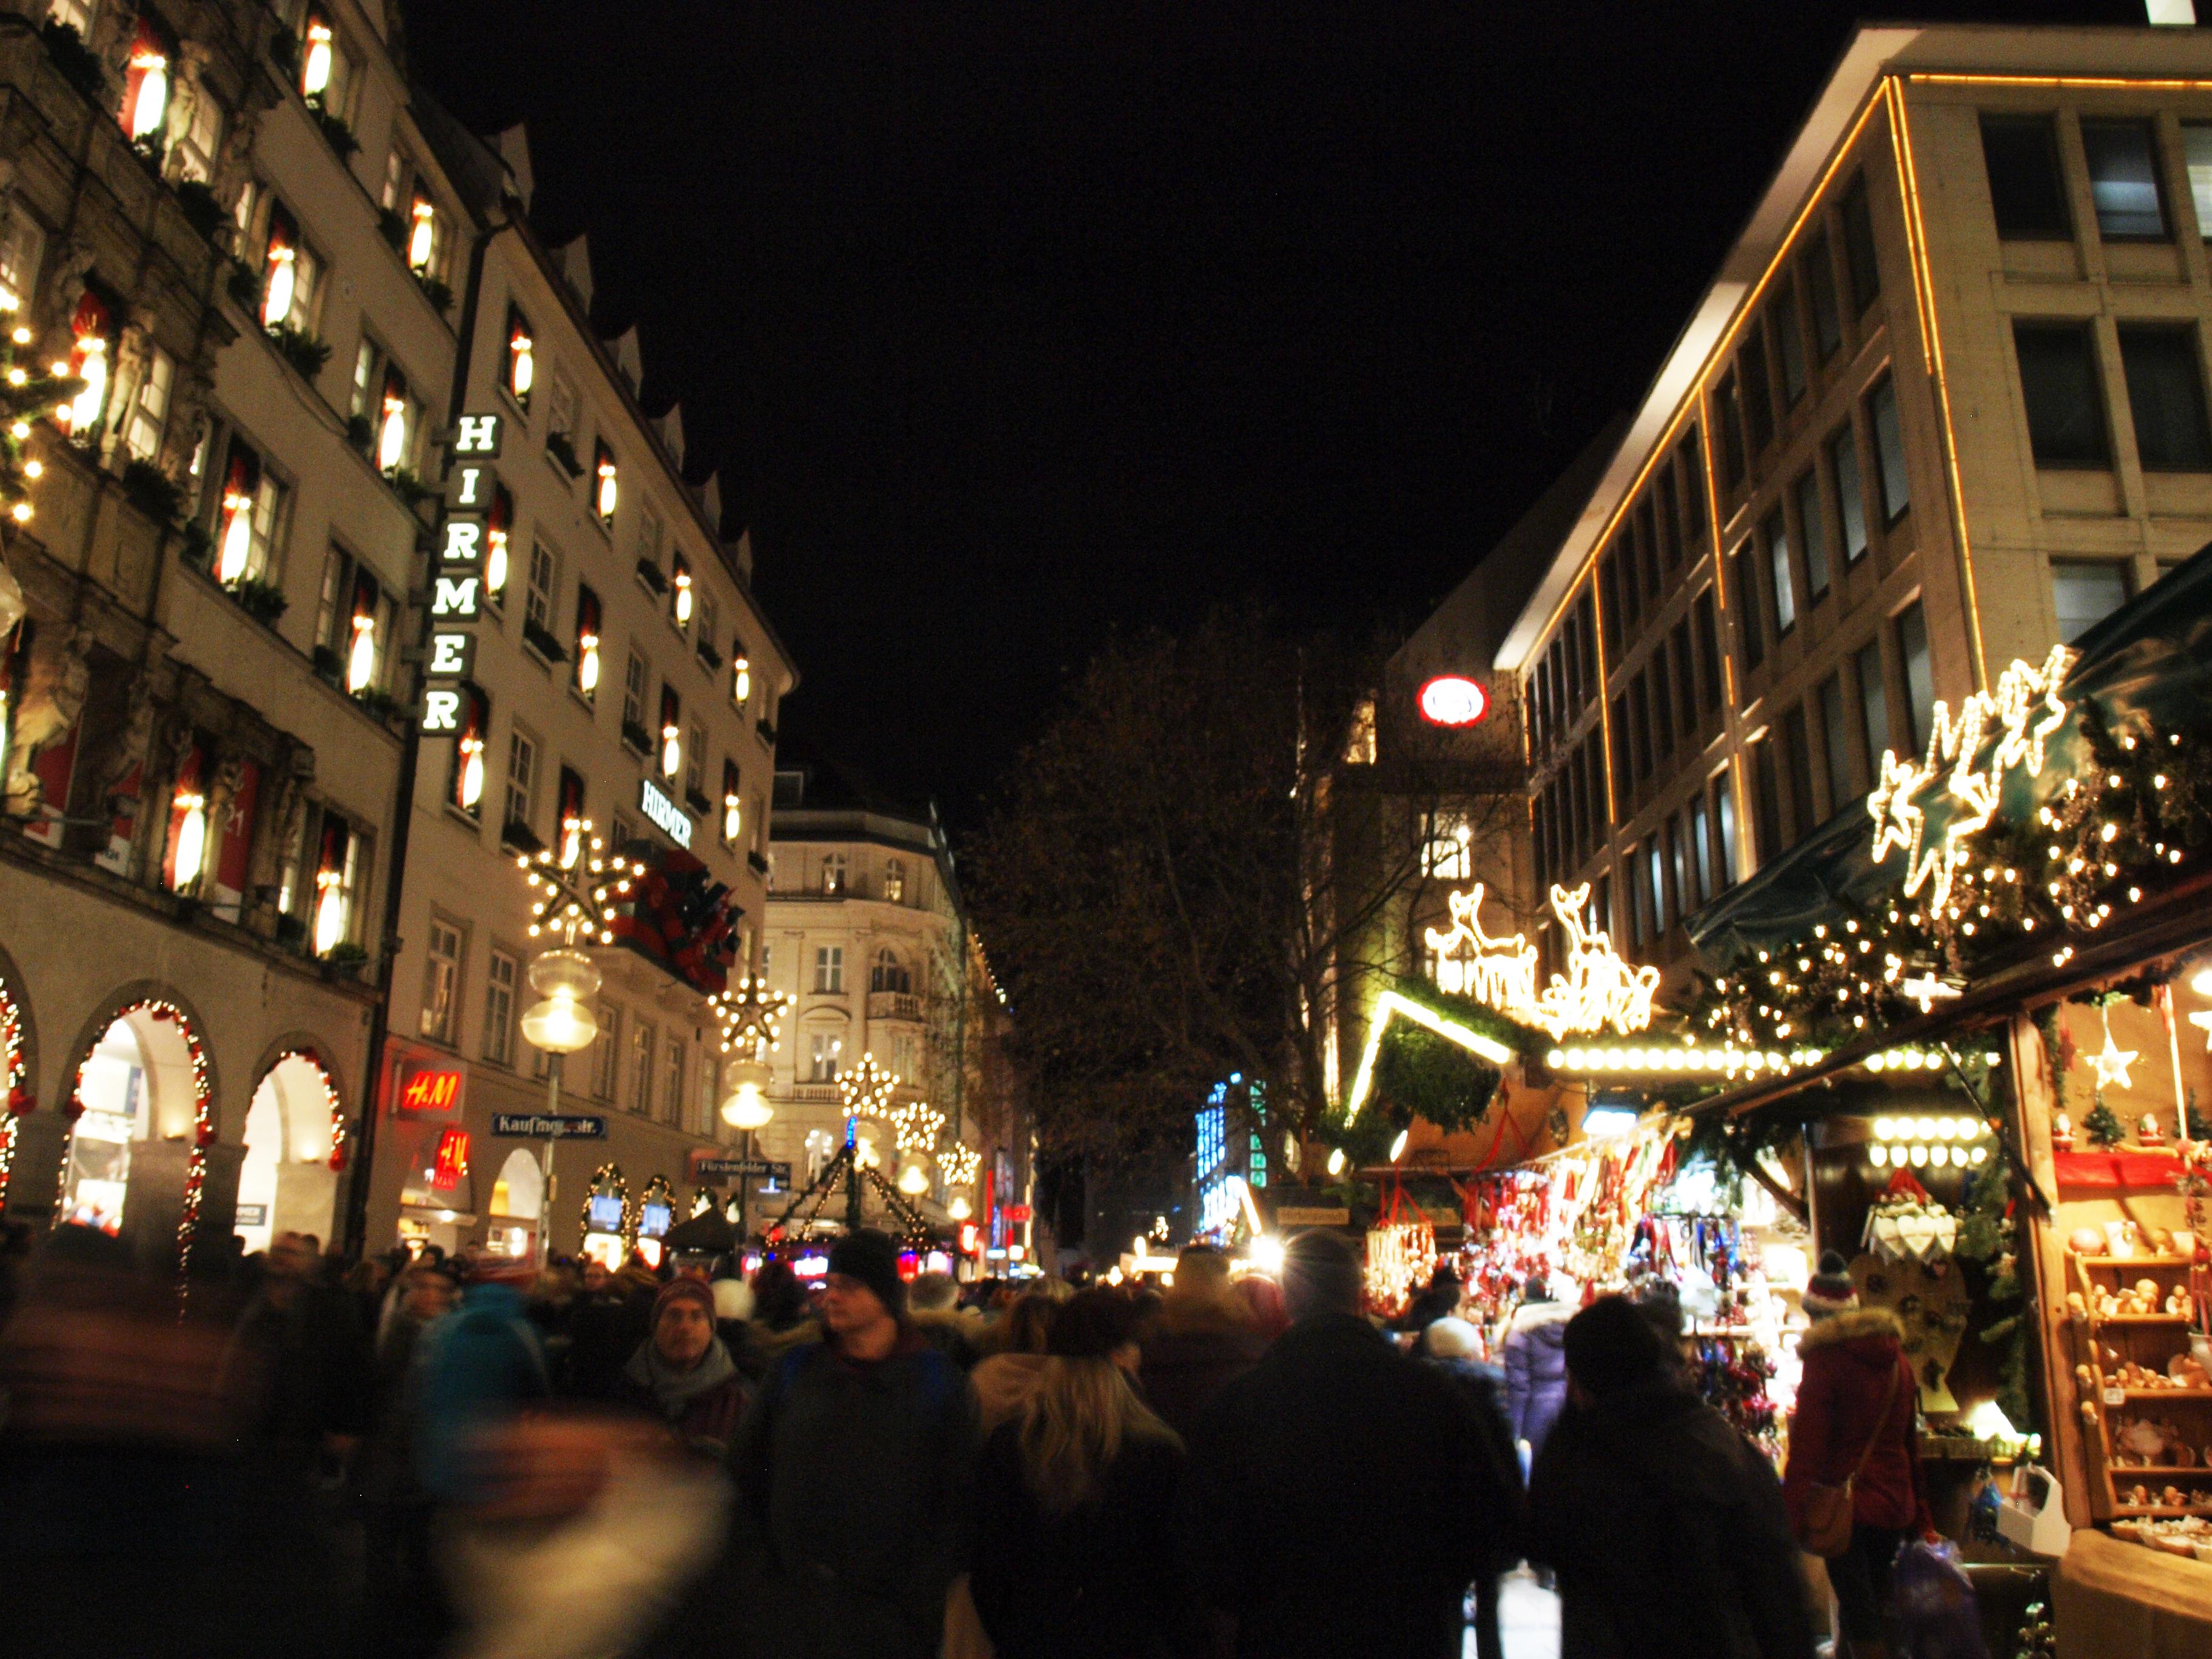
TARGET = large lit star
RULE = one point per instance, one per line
(2112, 1064)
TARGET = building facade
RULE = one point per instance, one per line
(868, 936)
(1943, 407)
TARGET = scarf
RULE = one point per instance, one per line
(672, 1391)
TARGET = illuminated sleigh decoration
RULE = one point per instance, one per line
(1599, 991)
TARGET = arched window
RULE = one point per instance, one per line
(889, 974)
(833, 872)
(895, 880)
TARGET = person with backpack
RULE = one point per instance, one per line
(853, 1465)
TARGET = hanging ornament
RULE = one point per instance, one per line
(2113, 1061)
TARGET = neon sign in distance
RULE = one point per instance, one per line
(1453, 700)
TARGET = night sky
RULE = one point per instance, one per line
(1008, 323)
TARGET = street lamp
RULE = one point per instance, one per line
(747, 1107)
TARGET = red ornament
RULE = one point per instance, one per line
(20, 1101)
(73, 1110)
(163, 1013)
(338, 1159)
(205, 1134)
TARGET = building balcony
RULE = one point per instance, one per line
(895, 1005)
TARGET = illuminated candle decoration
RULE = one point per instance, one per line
(149, 106)
(471, 790)
(606, 495)
(571, 841)
(392, 435)
(671, 751)
(521, 363)
(315, 66)
(192, 837)
(683, 598)
(276, 295)
(237, 536)
(361, 658)
(587, 663)
(422, 239)
(330, 909)
(82, 411)
(733, 817)
(741, 678)
(495, 559)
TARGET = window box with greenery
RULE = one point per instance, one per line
(766, 730)
(292, 933)
(263, 601)
(147, 488)
(376, 702)
(541, 639)
(244, 289)
(411, 489)
(360, 432)
(335, 132)
(197, 202)
(519, 837)
(329, 665)
(697, 801)
(344, 960)
(393, 225)
(710, 657)
(438, 293)
(758, 863)
(652, 577)
(635, 736)
(301, 350)
(562, 449)
(75, 61)
(195, 545)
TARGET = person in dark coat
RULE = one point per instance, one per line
(1536, 1362)
(1340, 1496)
(606, 1325)
(1438, 1299)
(1857, 1398)
(1202, 1338)
(1450, 1345)
(1072, 1500)
(1666, 1526)
(683, 1374)
(853, 1466)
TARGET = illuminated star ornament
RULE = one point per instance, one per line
(866, 1088)
(751, 1017)
(2112, 1064)
(578, 903)
(917, 1125)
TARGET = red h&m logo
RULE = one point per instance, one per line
(452, 1159)
(431, 1091)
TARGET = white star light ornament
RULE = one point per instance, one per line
(1928, 990)
(2112, 1064)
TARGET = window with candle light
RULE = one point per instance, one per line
(326, 74)
(338, 869)
(568, 819)
(681, 599)
(521, 371)
(252, 510)
(672, 730)
(148, 78)
(588, 647)
(733, 815)
(465, 787)
(499, 538)
(188, 849)
(741, 675)
(291, 274)
(398, 416)
(353, 625)
(425, 250)
(606, 485)
(91, 359)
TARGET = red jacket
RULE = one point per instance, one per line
(1854, 1362)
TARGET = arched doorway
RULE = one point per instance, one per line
(295, 1130)
(518, 1206)
(144, 1079)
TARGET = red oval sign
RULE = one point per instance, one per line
(1453, 700)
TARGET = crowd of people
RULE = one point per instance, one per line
(408, 1457)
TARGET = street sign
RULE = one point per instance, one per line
(755, 1168)
(538, 1126)
(1300, 1216)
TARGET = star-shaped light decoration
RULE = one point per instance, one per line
(2112, 1064)
(917, 1124)
(2204, 1023)
(960, 1164)
(575, 902)
(751, 1017)
(1927, 990)
(866, 1089)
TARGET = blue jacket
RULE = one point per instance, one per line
(1536, 1370)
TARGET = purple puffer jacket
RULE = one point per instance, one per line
(1536, 1370)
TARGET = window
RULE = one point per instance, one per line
(561, 420)
(1621, 768)
(1819, 269)
(605, 1047)
(833, 872)
(1686, 680)
(399, 418)
(148, 416)
(253, 515)
(1858, 244)
(741, 675)
(695, 763)
(2123, 160)
(895, 880)
(1813, 527)
(1850, 501)
(538, 602)
(1788, 343)
(672, 730)
(1751, 634)
(290, 276)
(1729, 414)
(1919, 673)
(326, 73)
(1758, 394)
(672, 1087)
(2027, 192)
(1701, 849)
(1662, 700)
(1724, 853)
(587, 643)
(2166, 394)
(22, 246)
(1670, 518)
(427, 242)
(682, 600)
(569, 818)
(641, 1069)
(522, 359)
(1766, 802)
(1873, 704)
(1693, 472)
(2197, 155)
(1777, 532)
(708, 630)
(889, 974)
(472, 733)
(634, 674)
(1836, 744)
(499, 1009)
(1797, 757)
(2084, 591)
(1662, 913)
(1889, 451)
(1709, 649)
(606, 488)
(353, 625)
(2065, 402)
(822, 1051)
(733, 804)
(442, 973)
(521, 777)
(1608, 576)
(829, 970)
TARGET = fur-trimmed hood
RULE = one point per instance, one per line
(1850, 1327)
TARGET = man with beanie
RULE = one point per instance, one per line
(853, 1467)
(1665, 1525)
(1343, 1494)
(683, 1374)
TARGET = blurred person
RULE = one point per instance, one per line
(1263, 1300)
(876, 1428)
(682, 1373)
(1006, 1376)
(300, 1353)
(1072, 1499)
(781, 1319)
(139, 1514)
(1438, 1299)
(1453, 1346)
(1023, 1322)
(734, 1313)
(1202, 1338)
(1334, 1504)
(1666, 1526)
(1855, 1422)
(932, 1301)
(606, 1325)
(406, 1613)
(1535, 1359)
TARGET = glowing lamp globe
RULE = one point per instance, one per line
(560, 1026)
(959, 1208)
(1453, 700)
(914, 1175)
(746, 1109)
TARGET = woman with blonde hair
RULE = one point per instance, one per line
(1073, 1498)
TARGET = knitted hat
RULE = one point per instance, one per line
(1830, 1290)
(683, 1288)
(872, 1258)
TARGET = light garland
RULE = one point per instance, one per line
(337, 1152)
(1600, 989)
(1393, 1004)
(18, 1099)
(608, 1176)
(1398, 1252)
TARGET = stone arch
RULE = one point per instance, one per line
(131, 1164)
(294, 1145)
(26, 1042)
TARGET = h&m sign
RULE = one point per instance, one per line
(457, 578)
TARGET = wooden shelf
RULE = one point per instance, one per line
(2196, 1469)
(2133, 1260)
(2168, 1393)
(2097, 1319)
